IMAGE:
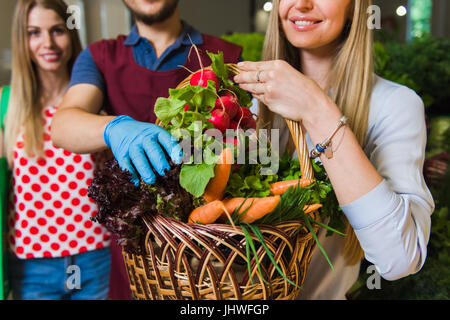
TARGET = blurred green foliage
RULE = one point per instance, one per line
(251, 43)
(422, 64)
(438, 136)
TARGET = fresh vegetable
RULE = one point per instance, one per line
(202, 77)
(122, 204)
(230, 103)
(220, 119)
(269, 253)
(207, 213)
(195, 177)
(312, 207)
(234, 125)
(243, 116)
(321, 190)
(254, 184)
(250, 123)
(251, 209)
(216, 186)
(282, 186)
(196, 108)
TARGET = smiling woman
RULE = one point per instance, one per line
(327, 20)
(319, 68)
(48, 40)
(49, 44)
(49, 227)
(41, 44)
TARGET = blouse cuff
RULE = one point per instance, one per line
(372, 207)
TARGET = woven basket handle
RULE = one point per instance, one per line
(302, 148)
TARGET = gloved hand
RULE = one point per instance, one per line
(138, 144)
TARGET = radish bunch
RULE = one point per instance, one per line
(227, 112)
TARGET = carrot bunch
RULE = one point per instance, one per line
(248, 210)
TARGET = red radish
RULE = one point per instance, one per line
(201, 78)
(228, 93)
(234, 125)
(186, 107)
(250, 123)
(230, 103)
(243, 115)
(220, 119)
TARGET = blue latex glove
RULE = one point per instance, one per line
(140, 144)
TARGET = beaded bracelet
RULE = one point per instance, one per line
(322, 147)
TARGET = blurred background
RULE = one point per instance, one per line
(412, 48)
(401, 20)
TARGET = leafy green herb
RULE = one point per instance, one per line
(195, 177)
(311, 229)
(166, 109)
(250, 244)
(218, 66)
(253, 185)
(260, 237)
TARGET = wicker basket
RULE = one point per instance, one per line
(208, 262)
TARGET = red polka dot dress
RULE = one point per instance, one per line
(49, 207)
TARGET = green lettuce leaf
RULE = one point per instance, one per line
(195, 177)
(218, 66)
(166, 109)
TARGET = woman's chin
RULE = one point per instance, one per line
(51, 66)
(314, 45)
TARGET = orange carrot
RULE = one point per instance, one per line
(232, 204)
(207, 213)
(216, 186)
(257, 207)
(311, 207)
(281, 187)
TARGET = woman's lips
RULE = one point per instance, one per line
(51, 57)
(305, 24)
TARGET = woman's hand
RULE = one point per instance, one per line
(283, 89)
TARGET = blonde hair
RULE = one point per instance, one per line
(351, 81)
(24, 109)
